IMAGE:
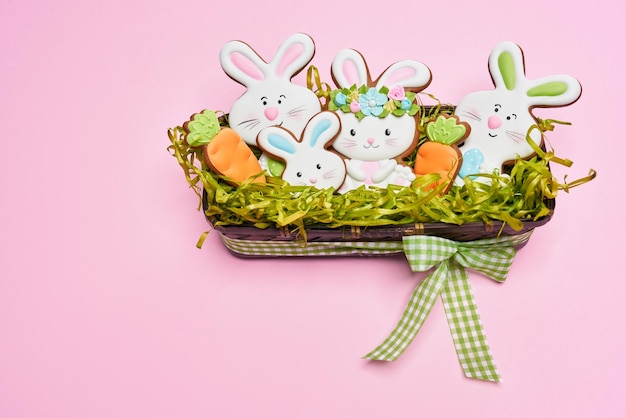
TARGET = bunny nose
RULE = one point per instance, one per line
(494, 122)
(370, 140)
(271, 113)
(313, 180)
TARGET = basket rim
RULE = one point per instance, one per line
(464, 232)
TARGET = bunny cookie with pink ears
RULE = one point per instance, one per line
(377, 117)
(308, 162)
(500, 118)
(271, 98)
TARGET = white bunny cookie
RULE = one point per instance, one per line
(308, 162)
(271, 98)
(377, 118)
(500, 118)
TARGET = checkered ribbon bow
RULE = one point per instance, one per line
(449, 278)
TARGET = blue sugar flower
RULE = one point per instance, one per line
(340, 99)
(405, 104)
(372, 102)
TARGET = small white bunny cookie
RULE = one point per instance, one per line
(308, 162)
(500, 118)
(377, 118)
(271, 98)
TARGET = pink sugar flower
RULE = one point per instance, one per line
(396, 93)
(355, 107)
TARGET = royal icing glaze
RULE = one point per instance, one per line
(440, 154)
(228, 155)
(501, 118)
(378, 125)
(308, 161)
(270, 98)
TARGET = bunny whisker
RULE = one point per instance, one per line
(472, 114)
(295, 110)
(348, 143)
(518, 137)
(329, 174)
(249, 124)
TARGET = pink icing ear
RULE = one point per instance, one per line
(403, 73)
(350, 73)
(289, 57)
(246, 66)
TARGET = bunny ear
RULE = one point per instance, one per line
(348, 68)
(553, 91)
(277, 141)
(242, 64)
(321, 130)
(293, 55)
(412, 75)
(506, 65)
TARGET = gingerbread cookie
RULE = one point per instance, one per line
(271, 99)
(501, 118)
(440, 154)
(223, 150)
(228, 155)
(377, 117)
(308, 162)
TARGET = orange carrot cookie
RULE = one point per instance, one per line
(440, 154)
(228, 155)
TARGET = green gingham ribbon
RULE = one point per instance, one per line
(449, 261)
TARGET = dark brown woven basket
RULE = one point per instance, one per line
(466, 232)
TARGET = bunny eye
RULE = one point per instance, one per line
(352, 132)
(319, 166)
(299, 174)
(512, 116)
(387, 132)
(264, 100)
(497, 108)
(280, 98)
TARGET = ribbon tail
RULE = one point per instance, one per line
(419, 306)
(466, 328)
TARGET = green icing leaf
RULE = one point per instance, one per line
(202, 128)
(445, 130)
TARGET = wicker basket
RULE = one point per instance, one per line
(393, 233)
(469, 231)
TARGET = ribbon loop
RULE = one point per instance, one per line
(449, 261)
(494, 262)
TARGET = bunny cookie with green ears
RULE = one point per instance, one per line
(501, 118)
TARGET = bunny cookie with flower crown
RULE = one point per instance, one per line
(308, 161)
(377, 117)
(501, 118)
(271, 98)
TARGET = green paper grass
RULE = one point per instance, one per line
(521, 195)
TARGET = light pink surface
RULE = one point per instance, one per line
(108, 310)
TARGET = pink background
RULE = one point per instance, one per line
(107, 309)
